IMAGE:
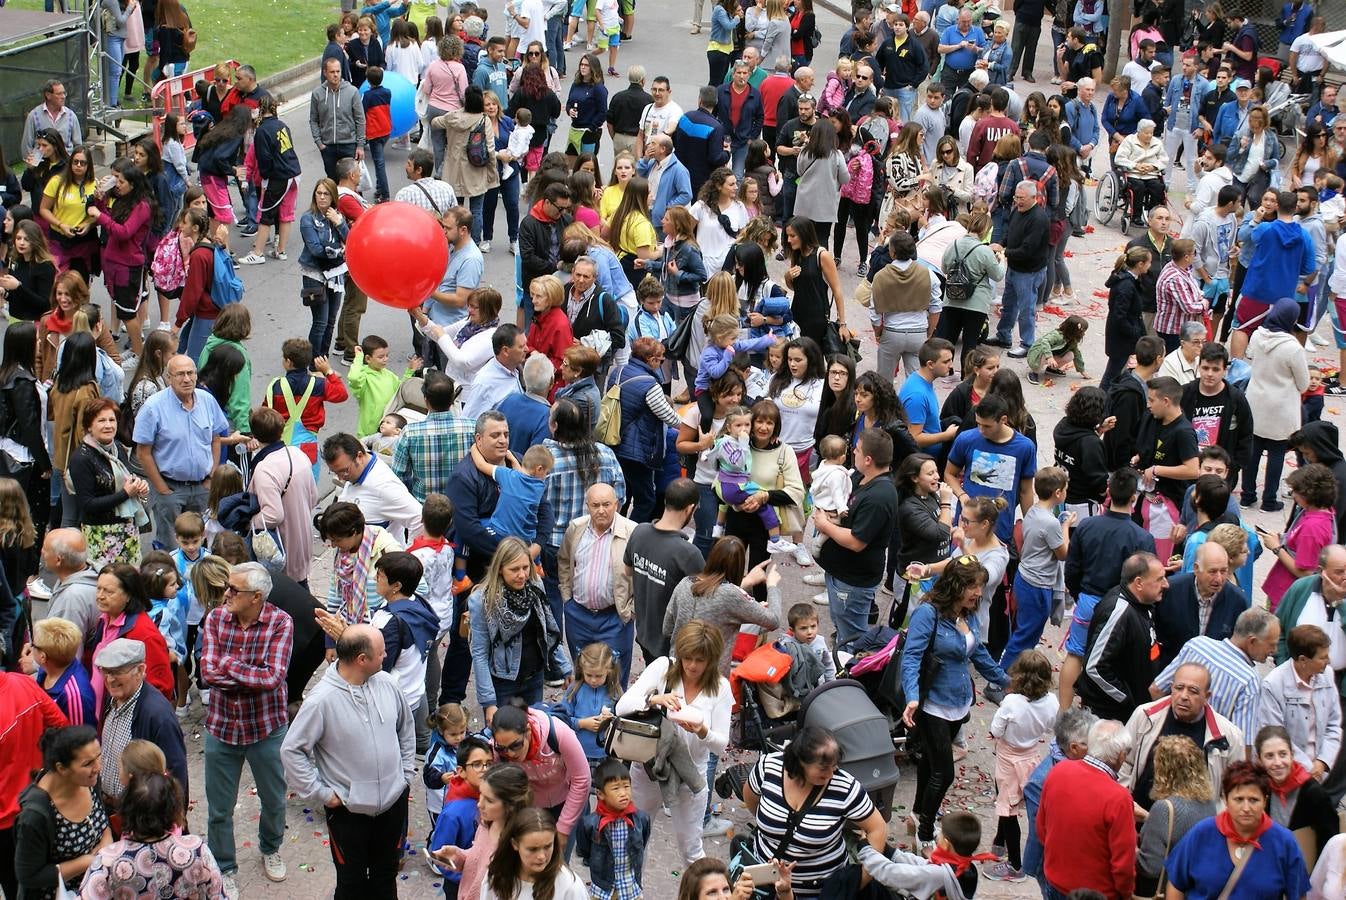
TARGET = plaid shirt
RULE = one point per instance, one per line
(430, 450)
(566, 486)
(624, 884)
(245, 669)
(115, 736)
(1177, 299)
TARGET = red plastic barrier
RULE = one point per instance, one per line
(174, 95)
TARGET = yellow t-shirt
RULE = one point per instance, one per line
(637, 232)
(68, 207)
(609, 200)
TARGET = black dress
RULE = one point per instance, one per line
(812, 301)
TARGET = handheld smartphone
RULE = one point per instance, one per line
(1260, 530)
(762, 875)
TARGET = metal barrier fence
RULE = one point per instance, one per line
(174, 95)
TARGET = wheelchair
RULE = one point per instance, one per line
(1113, 195)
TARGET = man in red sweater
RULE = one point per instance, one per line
(990, 129)
(25, 712)
(1086, 821)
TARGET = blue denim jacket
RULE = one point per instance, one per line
(722, 26)
(593, 848)
(951, 684)
(492, 658)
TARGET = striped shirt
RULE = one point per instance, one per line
(593, 570)
(1177, 299)
(817, 846)
(1235, 687)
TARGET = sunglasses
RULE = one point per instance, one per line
(509, 748)
(534, 53)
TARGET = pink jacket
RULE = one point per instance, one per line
(557, 777)
(834, 94)
(126, 243)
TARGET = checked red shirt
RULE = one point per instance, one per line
(245, 669)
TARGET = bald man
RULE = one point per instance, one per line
(178, 434)
(65, 556)
(595, 585)
(1204, 601)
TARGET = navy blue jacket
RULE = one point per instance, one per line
(155, 721)
(593, 848)
(749, 118)
(274, 145)
(699, 145)
(1123, 121)
(528, 424)
(1098, 547)
(474, 497)
(1176, 620)
(642, 431)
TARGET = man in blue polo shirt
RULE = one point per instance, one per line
(960, 45)
(178, 434)
(993, 460)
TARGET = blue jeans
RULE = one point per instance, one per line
(849, 606)
(551, 585)
(906, 100)
(738, 157)
(707, 510)
(224, 764)
(376, 147)
(509, 192)
(1034, 607)
(584, 627)
(247, 192)
(439, 140)
(529, 688)
(324, 318)
(115, 48)
(1019, 303)
(556, 33)
(785, 202)
(475, 204)
(192, 338)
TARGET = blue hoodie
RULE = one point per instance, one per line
(1283, 256)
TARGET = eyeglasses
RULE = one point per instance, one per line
(478, 765)
(509, 748)
(534, 53)
(230, 591)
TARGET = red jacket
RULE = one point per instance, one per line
(196, 302)
(550, 334)
(140, 627)
(1088, 831)
(350, 204)
(773, 87)
(330, 389)
(25, 712)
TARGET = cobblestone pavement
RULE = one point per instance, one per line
(663, 45)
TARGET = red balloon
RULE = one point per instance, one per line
(397, 254)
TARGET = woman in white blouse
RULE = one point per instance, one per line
(797, 388)
(688, 685)
(718, 201)
(465, 345)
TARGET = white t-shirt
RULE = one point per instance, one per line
(567, 886)
(711, 237)
(705, 461)
(536, 14)
(655, 120)
(1022, 722)
(1310, 59)
(1315, 613)
(799, 404)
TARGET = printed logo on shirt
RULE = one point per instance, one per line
(993, 470)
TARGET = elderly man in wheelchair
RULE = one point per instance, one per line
(1141, 160)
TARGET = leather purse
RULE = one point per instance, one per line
(634, 738)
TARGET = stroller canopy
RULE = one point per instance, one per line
(843, 708)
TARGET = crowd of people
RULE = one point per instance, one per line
(675, 416)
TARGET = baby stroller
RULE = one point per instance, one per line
(867, 751)
(877, 667)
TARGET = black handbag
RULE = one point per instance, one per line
(742, 852)
(833, 345)
(677, 343)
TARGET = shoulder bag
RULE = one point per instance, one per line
(742, 852)
(1234, 876)
(1160, 890)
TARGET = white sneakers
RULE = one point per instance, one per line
(815, 578)
(802, 556)
(484, 246)
(252, 259)
(230, 887)
(780, 545)
(274, 866)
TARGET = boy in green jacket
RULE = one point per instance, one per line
(373, 384)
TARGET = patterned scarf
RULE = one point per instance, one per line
(472, 328)
(515, 608)
(352, 572)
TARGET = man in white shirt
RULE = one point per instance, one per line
(531, 16)
(1181, 363)
(370, 484)
(1316, 600)
(50, 113)
(660, 117)
(1215, 176)
(500, 377)
(1138, 69)
(1306, 60)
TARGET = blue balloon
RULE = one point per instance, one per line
(403, 106)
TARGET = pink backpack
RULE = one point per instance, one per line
(986, 184)
(168, 267)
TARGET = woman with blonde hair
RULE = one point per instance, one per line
(444, 85)
(210, 579)
(776, 40)
(1182, 795)
(623, 170)
(550, 332)
(515, 640)
(689, 686)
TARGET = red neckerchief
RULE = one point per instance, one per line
(1225, 824)
(535, 739)
(607, 815)
(1295, 780)
(435, 544)
(958, 861)
(459, 789)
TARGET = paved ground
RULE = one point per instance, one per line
(664, 46)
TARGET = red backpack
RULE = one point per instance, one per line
(1040, 182)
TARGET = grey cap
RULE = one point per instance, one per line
(119, 654)
(893, 7)
(1241, 84)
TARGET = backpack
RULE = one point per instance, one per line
(815, 38)
(609, 429)
(226, 288)
(168, 267)
(478, 145)
(958, 281)
(1040, 182)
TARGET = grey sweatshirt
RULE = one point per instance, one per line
(1206, 235)
(727, 608)
(357, 742)
(911, 874)
(73, 600)
(336, 117)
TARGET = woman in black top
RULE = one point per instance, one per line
(877, 406)
(52, 158)
(29, 273)
(813, 278)
(924, 523)
(836, 410)
(1298, 800)
(111, 500)
(22, 418)
(981, 364)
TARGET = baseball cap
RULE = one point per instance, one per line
(1241, 84)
